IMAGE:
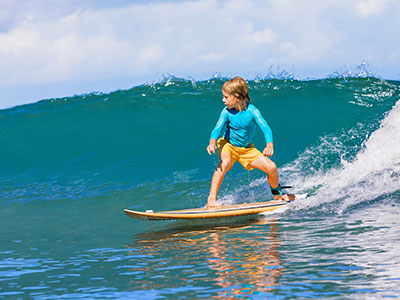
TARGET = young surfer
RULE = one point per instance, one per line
(241, 119)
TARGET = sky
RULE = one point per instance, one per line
(57, 48)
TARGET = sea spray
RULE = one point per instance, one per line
(374, 171)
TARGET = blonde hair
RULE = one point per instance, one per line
(238, 88)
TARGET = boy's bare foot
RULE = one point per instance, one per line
(212, 203)
(286, 197)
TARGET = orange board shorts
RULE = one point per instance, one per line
(243, 155)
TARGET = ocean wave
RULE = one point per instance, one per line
(372, 172)
(158, 132)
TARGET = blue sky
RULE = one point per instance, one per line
(60, 48)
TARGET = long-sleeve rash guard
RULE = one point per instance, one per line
(241, 126)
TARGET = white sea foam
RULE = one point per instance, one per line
(374, 172)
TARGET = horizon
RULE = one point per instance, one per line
(78, 47)
(343, 73)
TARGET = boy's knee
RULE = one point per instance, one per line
(225, 165)
(271, 167)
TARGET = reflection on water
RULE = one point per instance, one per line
(308, 258)
(233, 259)
(254, 263)
(353, 256)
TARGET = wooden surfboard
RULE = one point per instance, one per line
(203, 213)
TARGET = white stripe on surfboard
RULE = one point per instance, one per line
(220, 209)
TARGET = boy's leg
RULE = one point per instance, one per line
(266, 165)
(223, 167)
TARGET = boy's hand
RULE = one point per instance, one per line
(269, 149)
(212, 146)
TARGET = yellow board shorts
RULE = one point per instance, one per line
(241, 154)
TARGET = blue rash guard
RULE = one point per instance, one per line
(241, 126)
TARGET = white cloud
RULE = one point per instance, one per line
(368, 8)
(212, 57)
(149, 54)
(261, 37)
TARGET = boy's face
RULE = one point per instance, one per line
(230, 101)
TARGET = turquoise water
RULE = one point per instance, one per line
(70, 166)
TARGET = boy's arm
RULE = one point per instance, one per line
(269, 149)
(263, 126)
(215, 134)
